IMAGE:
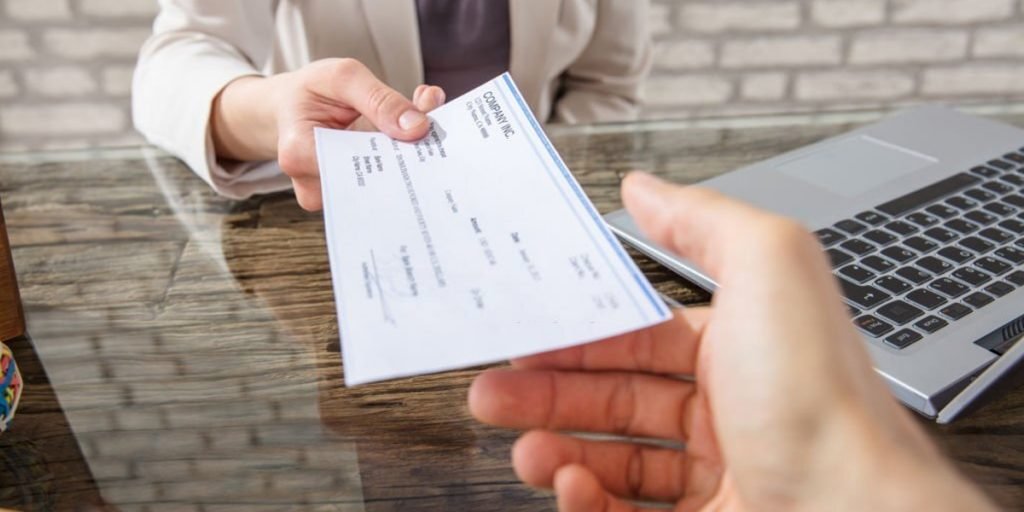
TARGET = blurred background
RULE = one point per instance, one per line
(66, 65)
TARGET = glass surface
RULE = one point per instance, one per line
(191, 345)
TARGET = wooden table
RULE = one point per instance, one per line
(191, 351)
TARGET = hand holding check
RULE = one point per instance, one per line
(757, 436)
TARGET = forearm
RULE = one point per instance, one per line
(243, 120)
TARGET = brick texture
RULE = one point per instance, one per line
(66, 65)
(737, 57)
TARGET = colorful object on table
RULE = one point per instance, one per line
(10, 387)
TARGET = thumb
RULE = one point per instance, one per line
(387, 109)
(701, 225)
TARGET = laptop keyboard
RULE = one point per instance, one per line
(914, 265)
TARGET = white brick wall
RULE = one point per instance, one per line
(65, 71)
(848, 13)
(952, 12)
(777, 56)
(65, 65)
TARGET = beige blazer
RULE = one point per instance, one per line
(576, 61)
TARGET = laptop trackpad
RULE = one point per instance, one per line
(855, 165)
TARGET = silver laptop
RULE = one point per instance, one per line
(922, 215)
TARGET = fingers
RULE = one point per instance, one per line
(355, 85)
(578, 490)
(620, 403)
(667, 348)
(296, 155)
(308, 194)
(717, 233)
(627, 470)
(428, 97)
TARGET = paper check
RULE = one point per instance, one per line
(471, 246)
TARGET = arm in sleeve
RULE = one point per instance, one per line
(605, 82)
(197, 48)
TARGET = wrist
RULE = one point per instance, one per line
(244, 119)
(891, 464)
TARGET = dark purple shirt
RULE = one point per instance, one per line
(464, 42)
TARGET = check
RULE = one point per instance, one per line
(471, 246)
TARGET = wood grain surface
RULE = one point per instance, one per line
(12, 322)
(190, 344)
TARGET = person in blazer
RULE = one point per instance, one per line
(235, 87)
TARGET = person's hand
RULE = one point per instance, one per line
(257, 118)
(783, 412)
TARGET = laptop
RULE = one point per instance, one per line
(922, 215)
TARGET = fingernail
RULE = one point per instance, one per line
(439, 96)
(411, 119)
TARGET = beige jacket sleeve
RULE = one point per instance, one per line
(197, 47)
(605, 83)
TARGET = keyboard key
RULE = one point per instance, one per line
(955, 311)
(1015, 200)
(878, 264)
(1016, 278)
(914, 275)
(1016, 157)
(948, 287)
(978, 300)
(898, 254)
(999, 288)
(955, 254)
(980, 195)
(977, 245)
(1015, 180)
(931, 324)
(999, 209)
(839, 258)
(942, 211)
(872, 218)
(928, 194)
(962, 203)
(1019, 243)
(858, 247)
(829, 237)
(901, 228)
(998, 187)
(980, 217)
(899, 312)
(997, 235)
(903, 339)
(1000, 164)
(922, 219)
(1015, 256)
(992, 265)
(872, 326)
(972, 276)
(941, 235)
(926, 299)
(985, 172)
(890, 283)
(1013, 225)
(934, 265)
(962, 226)
(921, 245)
(863, 296)
(857, 273)
(850, 226)
(880, 237)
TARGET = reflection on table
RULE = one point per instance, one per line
(191, 344)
